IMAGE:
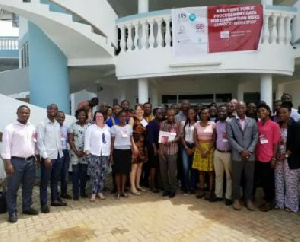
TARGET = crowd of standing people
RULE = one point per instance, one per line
(210, 151)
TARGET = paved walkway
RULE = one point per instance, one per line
(151, 218)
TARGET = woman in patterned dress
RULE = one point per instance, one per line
(204, 138)
(139, 136)
(286, 178)
(77, 156)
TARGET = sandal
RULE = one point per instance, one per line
(141, 189)
(92, 199)
(117, 196)
(101, 196)
(136, 193)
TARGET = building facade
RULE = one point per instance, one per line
(74, 50)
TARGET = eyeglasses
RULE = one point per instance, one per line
(103, 138)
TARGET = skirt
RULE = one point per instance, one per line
(200, 163)
(122, 161)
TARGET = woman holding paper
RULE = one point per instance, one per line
(204, 138)
(169, 136)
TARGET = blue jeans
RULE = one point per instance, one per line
(79, 179)
(189, 174)
(65, 173)
(52, 174)
(24, 174)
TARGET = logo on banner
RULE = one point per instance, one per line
(192, 17)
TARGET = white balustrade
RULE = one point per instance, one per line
(154, 31)
(9, 43)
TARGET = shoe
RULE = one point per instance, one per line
(117, 196)
(12, 217)
(228, 202)
(209, 196)
(214, 198)
(141, 189)
(66, 196)
(93, 198)
(172, 194)
(250, 205)
(236, 205)
(136, 193)
(193, 192)
(124, 195)
(84, 195)
(58, 204)
(165, 194)
(101, 196)
(185, 192)
(155, 191)
(31, 211)
(267, 207)
(201, 194)
(45, 209)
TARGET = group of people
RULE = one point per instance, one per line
(159, 148)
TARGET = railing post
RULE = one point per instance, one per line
(274, 34)
(288, 29)
(167, 32)
(151, 35)
(123, 41)
(159, 38)
(136, 36)
(266, 32)
(144, 34)
(129, 38)
(281, 29)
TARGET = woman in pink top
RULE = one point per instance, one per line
(204, 137)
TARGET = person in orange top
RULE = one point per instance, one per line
(88, 106)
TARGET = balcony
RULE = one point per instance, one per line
(9, 47)
(145, 48)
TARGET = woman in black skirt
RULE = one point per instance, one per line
(122, 152)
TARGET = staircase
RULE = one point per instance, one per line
(78, 41)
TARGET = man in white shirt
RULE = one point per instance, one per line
(49, 144)
(19, 150)
(66, 158)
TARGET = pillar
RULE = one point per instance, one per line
(267, 2)
(143, 94)
(279, 91)
(154, 100)
(48, 71)
(266, 89)
(240, 92)
(143, 6)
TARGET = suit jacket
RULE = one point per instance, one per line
(242, 140)
(293, 144)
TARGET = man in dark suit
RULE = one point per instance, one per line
(242, 135)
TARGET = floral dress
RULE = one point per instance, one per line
(139, 137)
(78, 131)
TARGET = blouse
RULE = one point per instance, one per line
(205, 133)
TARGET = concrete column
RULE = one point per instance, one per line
(48, 71)
(279, 91)
(143, 94)
(73, 105)
(154, 100)
(266, 89)
(240, 92)
(267, 2)
(143, 6)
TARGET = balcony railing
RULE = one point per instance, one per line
(154, 30)
(9, 43)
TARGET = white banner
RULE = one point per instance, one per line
(190, 31)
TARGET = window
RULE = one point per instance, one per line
(223, 97)
(169, 99)
(24, 56)
(195, 99)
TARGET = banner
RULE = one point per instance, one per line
(202, 30)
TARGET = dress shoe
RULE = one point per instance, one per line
(58, 204)
(236, 205)
(30, 211)
(250, 205)
(214, 198)
(75, 198)
(45, 209)
(66, 196)
(228, 202)
(12, 217)
(201, 194)
(165, 194)
(84, 195)
(172, 194)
